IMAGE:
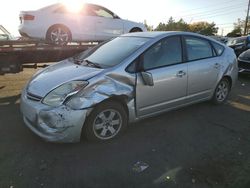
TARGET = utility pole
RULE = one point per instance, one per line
(246, 22)
(222, 31)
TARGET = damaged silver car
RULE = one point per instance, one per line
(99, 91)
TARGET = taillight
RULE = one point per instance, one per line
(28, 17)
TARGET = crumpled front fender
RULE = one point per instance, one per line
(111, 85)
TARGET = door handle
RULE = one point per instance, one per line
(181, 73)
(216, 65)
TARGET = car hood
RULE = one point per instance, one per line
(245, 55)
(53, 76)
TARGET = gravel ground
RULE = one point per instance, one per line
(201, 146)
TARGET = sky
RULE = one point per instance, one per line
(223, 12)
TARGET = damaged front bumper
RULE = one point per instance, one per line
(61, 124)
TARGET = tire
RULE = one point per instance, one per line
(98, 126)
(135, 29)
(59, 35)
(221, 92)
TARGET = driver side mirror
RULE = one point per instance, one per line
(147, 78)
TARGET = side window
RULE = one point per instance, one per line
(166, 52)
(218, 48)
(198, 48)
(88, 11)
(132, 67)
(101, 12)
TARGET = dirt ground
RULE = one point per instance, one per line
(200, 146)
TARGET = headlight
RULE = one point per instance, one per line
(57, 96)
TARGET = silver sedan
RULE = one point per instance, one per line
(99, 91)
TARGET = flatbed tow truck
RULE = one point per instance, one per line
(17, 54)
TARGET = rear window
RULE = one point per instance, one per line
(198, 48)
(218, 48)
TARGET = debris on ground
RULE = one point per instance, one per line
(140, 166)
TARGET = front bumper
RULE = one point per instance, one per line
(244, 66)
(60, 124)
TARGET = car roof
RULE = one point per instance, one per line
(163, 34)
(156, 34)
(56, 5)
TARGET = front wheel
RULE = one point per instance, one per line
(107, 121)
(221, 92)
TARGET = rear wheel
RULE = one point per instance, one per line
(59, 35)
(221, 92)
(107, 121)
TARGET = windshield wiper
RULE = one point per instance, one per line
(92, 63)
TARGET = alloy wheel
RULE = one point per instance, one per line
(222, 91)
(59, 36)
(107, 124)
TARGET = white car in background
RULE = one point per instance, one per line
(57, 24)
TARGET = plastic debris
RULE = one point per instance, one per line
(140, 166)
(243, 84)
(193, 180)
(43, 166)
(240, 153)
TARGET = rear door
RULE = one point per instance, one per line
(203, 67)
(163, 61)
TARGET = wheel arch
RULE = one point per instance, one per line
(229, 80)
(118, 99)
(135, 29)
(122, 99)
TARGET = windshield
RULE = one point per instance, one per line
(114, 52)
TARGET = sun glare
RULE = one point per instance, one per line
(73, 5)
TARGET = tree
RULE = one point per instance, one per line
(239, 28)
(181, 25)
(161, 27)
(236, 32)
(149, 27)
(203, 28)
(171, 25)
